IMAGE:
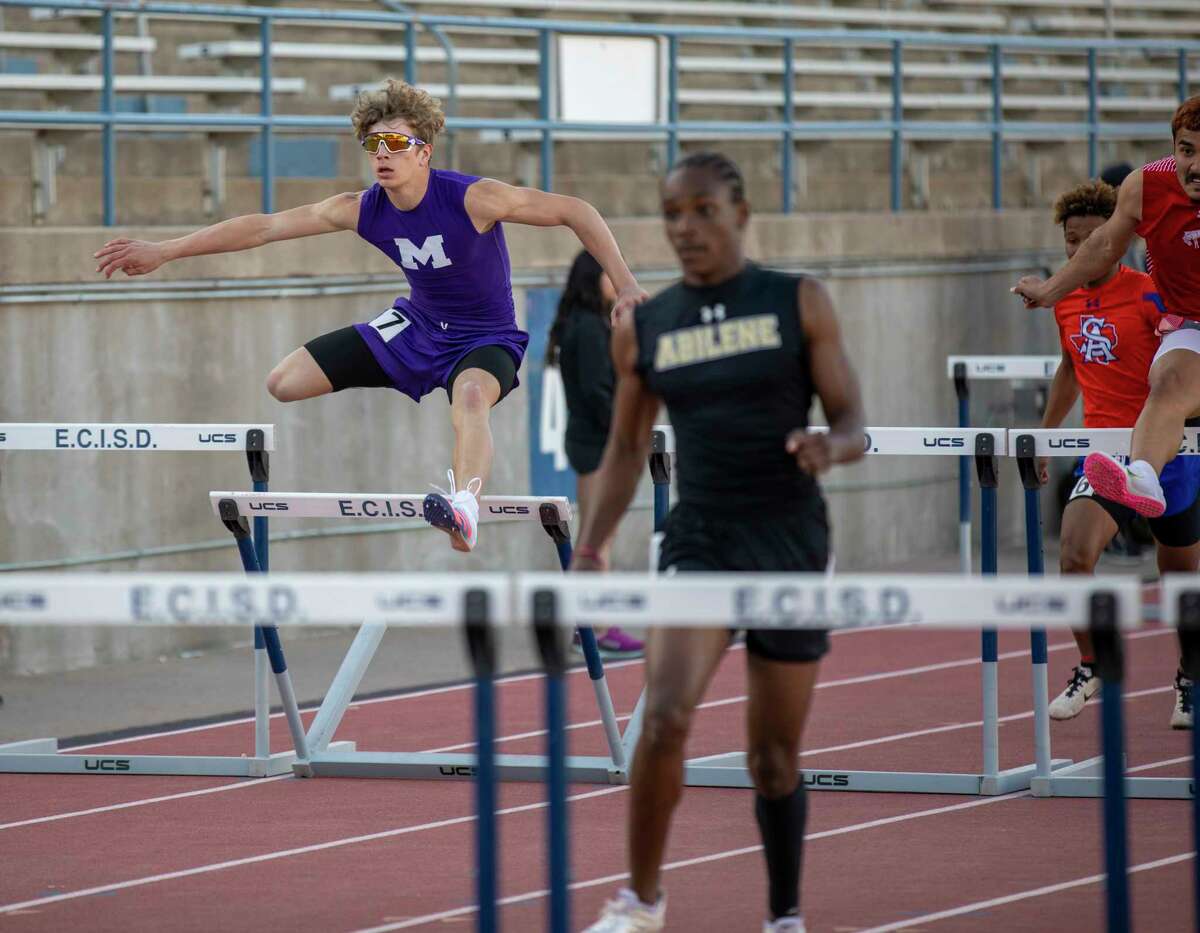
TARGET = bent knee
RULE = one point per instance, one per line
(1076, 557)
(469, 395)
(774, 768)
(665, 728)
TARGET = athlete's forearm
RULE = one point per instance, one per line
(587, 224)
(237, 233)
(1064, 390)
(1095, 257)
(616, 482)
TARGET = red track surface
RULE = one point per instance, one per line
(337, 854)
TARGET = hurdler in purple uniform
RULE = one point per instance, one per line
(457, 329)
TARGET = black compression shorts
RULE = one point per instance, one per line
(348, 363)
(694, 541)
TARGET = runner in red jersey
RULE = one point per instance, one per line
(1107, 330)
(1161, 201)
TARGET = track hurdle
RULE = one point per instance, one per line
(855, 601)
(1085, 778)
(729, 770)
(964, 369)
(321, 758)
(256, 441)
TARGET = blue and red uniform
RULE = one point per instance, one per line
(1109, 334)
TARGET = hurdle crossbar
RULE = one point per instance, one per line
(322, 759)
(256, 441)
(1084, 778)
(983, 445)
(1002, 367)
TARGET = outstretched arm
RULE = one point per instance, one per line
(139, 257)
(836, 385)
(1096, 255)
(490, 202)
(634, 411)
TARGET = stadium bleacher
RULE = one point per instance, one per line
(50, 60)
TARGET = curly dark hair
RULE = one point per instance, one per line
(580, 294)
(1091, 199)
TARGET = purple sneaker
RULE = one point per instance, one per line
(618, 643)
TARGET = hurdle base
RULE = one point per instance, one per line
(731, 771)
(453, 767)
(41, 756)
(1086, 779)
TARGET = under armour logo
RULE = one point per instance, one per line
(715, 313)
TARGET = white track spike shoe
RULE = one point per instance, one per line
(626, 914)
(1083, 685)
(1134, 486)
(1181, 716)
(784, 925)
(456, 512)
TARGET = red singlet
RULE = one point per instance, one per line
(1108, 333)
(1171, 228)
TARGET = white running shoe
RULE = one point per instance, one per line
(1181, 717)
(1080, 688)
(626, 914)
(456, 512)
(1135, 486)
(784, 925)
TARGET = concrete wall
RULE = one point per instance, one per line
(910, 289)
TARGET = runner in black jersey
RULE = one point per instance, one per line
(737, 353)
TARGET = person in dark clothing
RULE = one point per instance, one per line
(738, 354)
(579, 347)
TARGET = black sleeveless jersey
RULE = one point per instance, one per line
(731, 364)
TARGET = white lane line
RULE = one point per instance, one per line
(823, 685)
(146, 801)
(934, 730)
(1022, 895)
(688, 863)
(1159, 764)
(417, 694)
(520, 678)
(283, 853)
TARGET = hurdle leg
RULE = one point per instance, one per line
(1106, 640)
(1189, 638)
(258, 461)
(962, 390)
(1035, 561)
(550, 647)
(481, 647)
(985, 465)
(269, 633)
(561, 536)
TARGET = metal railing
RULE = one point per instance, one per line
(895, 126)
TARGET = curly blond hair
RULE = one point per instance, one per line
(1091, 199)
(396, 100)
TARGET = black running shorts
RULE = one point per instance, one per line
(696, 541)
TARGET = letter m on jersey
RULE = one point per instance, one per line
(430, 252)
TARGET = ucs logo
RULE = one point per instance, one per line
(508, 509)
(1069, 443)
(943, 441)
(107, 764)
(268, 506)
(456, 771)
(827, 780)
(217, 438)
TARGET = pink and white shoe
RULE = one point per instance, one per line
(1135, 486)
(456, 512)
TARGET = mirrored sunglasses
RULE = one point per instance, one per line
(393, 142)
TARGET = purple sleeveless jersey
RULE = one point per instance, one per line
(461, 286)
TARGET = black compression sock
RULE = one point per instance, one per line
(781, 823)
